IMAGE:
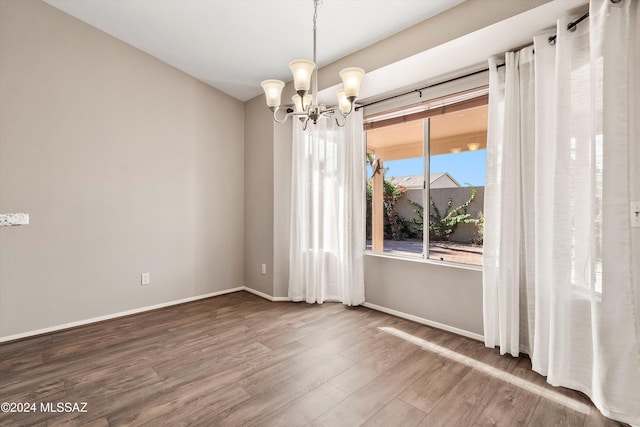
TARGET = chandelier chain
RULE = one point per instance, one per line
(314, 96)
(315, 14)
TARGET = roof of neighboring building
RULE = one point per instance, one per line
(415, 181)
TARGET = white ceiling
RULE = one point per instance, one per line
(233, 45)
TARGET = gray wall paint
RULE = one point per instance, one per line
(258, 196)
(282, 207)
(125, 165)
(267, 200)
(448, 295)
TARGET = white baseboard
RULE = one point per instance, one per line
(425, 321)
(391, 312)
(227, 291)
(115, 315)
(265, 296)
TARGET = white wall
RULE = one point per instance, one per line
(125, 165)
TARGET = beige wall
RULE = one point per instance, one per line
(258, 196)
(267, 199)
(449, 296)
(267, 195)
(125, 165)
(282, 207)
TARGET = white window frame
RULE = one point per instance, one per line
(448, 89)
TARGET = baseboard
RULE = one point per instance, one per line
(115, 315)
(227, 291)
(388, 311)
(425, 321)
(263, 295)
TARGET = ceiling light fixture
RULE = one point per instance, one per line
(305, 103)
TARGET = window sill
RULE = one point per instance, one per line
(424, 261)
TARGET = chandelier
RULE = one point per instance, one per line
(305, 103)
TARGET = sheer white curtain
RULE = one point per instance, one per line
(562, 279)
(327, 205)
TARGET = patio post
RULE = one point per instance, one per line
(377, 209)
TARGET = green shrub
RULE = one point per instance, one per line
(441, 226)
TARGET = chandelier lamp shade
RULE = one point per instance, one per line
(305, 103)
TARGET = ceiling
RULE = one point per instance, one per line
(233, 45)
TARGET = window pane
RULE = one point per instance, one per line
(395, 188)
(457, 163)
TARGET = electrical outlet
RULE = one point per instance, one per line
(264, 268)
(145, 279)
(635, 213)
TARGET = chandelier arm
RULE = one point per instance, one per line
(344, 121)
(336, 115)
(275, 117)
(337, 111)
(352, 100)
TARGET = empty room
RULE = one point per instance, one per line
(319, 212)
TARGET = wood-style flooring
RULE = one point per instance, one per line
(239, 360)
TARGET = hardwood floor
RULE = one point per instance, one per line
(239, 360)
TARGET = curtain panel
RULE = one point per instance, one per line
(562, 279)
(327, 212)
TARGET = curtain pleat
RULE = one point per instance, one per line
(561, 279)
(327, 239)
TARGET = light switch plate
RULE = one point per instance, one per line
(13, 219)
(145, 279)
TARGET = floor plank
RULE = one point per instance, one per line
(511, 406)
(549, 413)
(238, 359)
(302, 410)
(465, 402)
(427, 391)
(396, 413)
(358, 407)
(281, 394)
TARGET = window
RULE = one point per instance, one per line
(440, 217)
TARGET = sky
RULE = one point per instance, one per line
(467, 167)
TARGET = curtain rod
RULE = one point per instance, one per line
(427, 87)
(423, 88)
(571, 26)
(552, 40)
